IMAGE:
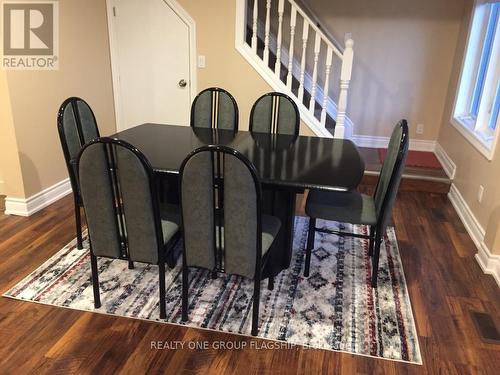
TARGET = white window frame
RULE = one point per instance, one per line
(477, 130)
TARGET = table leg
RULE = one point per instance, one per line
(169, 188)
(280, 203)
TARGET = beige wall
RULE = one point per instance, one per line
(473, 169)
(403, 54)
(492, 238)
(10, 167)
(225, 67)
(35, 96)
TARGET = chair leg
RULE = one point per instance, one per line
(214, 274)
(131, 265)
(161, 275)
(185, 276)
(256, 300)
(95, 280)
(310, 245)
(375, 259)
(78, 222)
(171, 260)
(372, 240)
(270, 283)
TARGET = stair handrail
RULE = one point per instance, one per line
(317, 29)
(312, 15)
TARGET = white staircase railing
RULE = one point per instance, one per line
(307, 56)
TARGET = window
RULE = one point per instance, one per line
(476, 112)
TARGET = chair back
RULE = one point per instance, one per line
(120, 200)
(391, 172)
(275, 113)
(77, 126)
(214, 108)
(221, 213)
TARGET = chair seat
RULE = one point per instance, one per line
(169, 229)
(346, 207)
(270, 228)
(170, 220)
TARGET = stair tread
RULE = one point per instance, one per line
(373, 167)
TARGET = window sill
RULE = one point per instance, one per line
(485, 145)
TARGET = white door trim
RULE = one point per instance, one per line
(188, 21)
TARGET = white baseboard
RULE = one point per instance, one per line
(470, 222)
(449, 165)
(28, 206)
(383, 142)
(489, 263)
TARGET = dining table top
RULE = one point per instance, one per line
(292, 162)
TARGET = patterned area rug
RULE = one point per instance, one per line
(334, 309)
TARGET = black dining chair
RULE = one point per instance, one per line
(124, 220)
(214, 108)
(77, 126)
(353, 207)
(224, 229)
(275, 113)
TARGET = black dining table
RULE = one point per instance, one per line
(287, 165)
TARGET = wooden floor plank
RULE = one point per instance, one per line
(444, 281)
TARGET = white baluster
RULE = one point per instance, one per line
(267, 30)
(277, 66)
(328, 65)
(317, 45)
(293, 19)
(345, 78)
(305, 34)
(254, 25)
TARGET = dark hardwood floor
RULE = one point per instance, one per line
(445, 284)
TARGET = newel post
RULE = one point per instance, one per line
(345, 79)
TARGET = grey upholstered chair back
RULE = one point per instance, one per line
(240, 217)
(198, 214)
(118, 192)
(275, 113)
(76, 126)
(391, 173)
(214, 108)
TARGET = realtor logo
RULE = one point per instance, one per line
(30, 35)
